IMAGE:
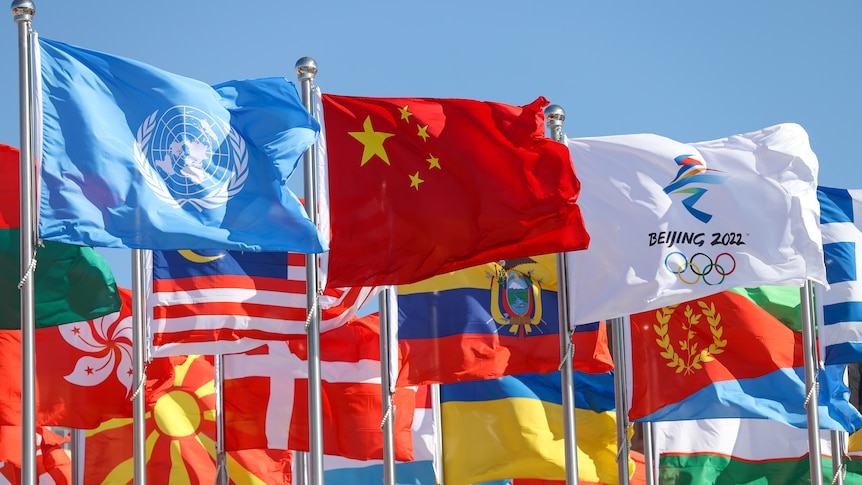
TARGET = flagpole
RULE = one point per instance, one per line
(139, 424)
(300, 468)
(554, 117)
(649, 452)
(306, 70)
(22, 12)
(837, 457)
(437, 432)
(811, 385)
(618, 336)
(388, 309)
(222, 474)
(78, 450)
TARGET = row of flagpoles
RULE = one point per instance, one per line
(23, 12)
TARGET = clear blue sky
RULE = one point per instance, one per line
(688, 70)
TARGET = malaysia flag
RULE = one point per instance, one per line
(219, 302)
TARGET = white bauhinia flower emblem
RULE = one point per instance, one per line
(108, 343)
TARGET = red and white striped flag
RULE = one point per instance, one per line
(220, 302)
(266, 396)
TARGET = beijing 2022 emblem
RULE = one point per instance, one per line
(187, 157)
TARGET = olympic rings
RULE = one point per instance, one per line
(701, 265)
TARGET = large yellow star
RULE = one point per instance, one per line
(415, 181)
(372, 141)
(405, 115)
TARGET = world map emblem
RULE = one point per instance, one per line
(191, 159)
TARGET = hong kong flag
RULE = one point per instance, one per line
(266, 396)
(83, 371)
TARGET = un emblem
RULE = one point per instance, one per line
(188, 157)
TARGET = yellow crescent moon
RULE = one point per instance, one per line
(198, 258)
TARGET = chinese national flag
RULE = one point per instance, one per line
(422, 186)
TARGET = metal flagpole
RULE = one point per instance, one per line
(437, 428)
(306, 69)
(649, 453)
(811, 385)
(554, 117)
(222, 474)
(837, 457)
(388, 312)
(22, 12)
(618, 336)
(139, 424)
(300, 468)
(78, 449)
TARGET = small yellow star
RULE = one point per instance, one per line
(415, 181)
(433, 162)
(372, 141)
(423, 132)
(405, 115)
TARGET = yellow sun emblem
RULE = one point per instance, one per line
(181, 431)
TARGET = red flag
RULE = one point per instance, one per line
(266, 400)
(53, 465)
(220, 302)
(180, 430)
(10, 385)
(84, 369)
(420, 187)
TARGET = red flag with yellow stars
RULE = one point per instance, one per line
(424, 186)
(180, 435)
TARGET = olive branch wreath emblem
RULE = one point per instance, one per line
(691, 358)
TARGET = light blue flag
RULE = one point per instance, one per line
(840, 307)
(136, 157)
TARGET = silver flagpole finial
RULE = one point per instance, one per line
(306, 68)
(23, 10)
(554, 117)
(554, 114)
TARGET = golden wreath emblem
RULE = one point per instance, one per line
(690, 358)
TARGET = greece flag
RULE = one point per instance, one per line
(839, 309)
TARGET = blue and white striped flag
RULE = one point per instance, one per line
(839, 309)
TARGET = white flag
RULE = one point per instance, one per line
(671, 222)
(734, 450)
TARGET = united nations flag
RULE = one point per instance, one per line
(136, 157)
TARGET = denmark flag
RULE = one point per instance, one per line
(266, 396)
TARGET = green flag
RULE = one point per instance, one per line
(73, 283)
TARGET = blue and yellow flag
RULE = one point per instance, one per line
(512, 427)
(488, 321)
